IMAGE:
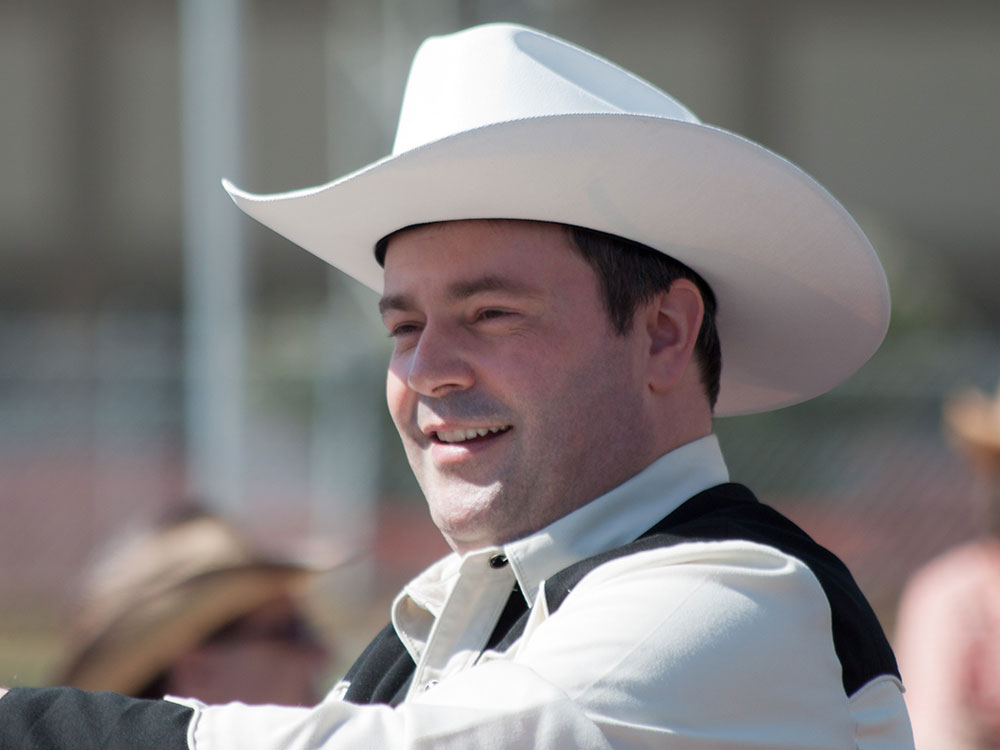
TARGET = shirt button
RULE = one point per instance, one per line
(498, 561)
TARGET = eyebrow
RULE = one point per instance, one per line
(460, 290)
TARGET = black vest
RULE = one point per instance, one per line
(383, 672)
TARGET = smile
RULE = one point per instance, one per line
(461, 436)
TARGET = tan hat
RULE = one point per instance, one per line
(505, 122)
(972, 419)
(155, 595)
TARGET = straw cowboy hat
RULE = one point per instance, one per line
(502, 121)
(153, 597)
(972, 420)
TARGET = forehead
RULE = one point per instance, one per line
(496, 230)
(460, 258)
(477, 243)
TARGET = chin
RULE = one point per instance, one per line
(464, 511)
(466, 532)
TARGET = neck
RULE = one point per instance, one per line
(682, 417)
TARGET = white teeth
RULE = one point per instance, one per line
(459, 436)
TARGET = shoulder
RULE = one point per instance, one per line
(736, 620)
(964, 567)
(727, 599)
(767, 570)
(948, 597)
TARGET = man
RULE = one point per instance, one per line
(564, 252)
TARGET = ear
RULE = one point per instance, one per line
(672, 320)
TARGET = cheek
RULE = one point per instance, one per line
(396, 397)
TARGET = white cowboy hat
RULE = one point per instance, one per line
(502, 121)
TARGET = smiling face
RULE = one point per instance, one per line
(515, 400)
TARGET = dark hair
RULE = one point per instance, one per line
(631, 274)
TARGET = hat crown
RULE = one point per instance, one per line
(503, 72)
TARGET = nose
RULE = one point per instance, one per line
(437, 364)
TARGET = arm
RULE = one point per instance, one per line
(723, 644)
(58, 718)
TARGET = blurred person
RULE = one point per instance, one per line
(577, 276)
(948, 624)
(189, 607)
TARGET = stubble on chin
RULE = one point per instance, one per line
(474, 516)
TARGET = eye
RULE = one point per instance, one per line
(401, 328)
(491, 313)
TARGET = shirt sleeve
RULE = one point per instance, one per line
(57, 718)
(501, 705)
(718, 644)
(701, 645)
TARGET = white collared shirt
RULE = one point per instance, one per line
(473, 593)
(698, 645)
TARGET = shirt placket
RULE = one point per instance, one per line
(467, 619)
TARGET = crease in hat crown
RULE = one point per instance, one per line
(504, 72)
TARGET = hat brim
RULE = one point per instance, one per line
(131, 651)
(803, 300)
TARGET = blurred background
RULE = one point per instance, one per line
(157, 347)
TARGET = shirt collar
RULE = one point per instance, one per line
(619, 516)
(613, 519)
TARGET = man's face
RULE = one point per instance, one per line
(515, 400)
